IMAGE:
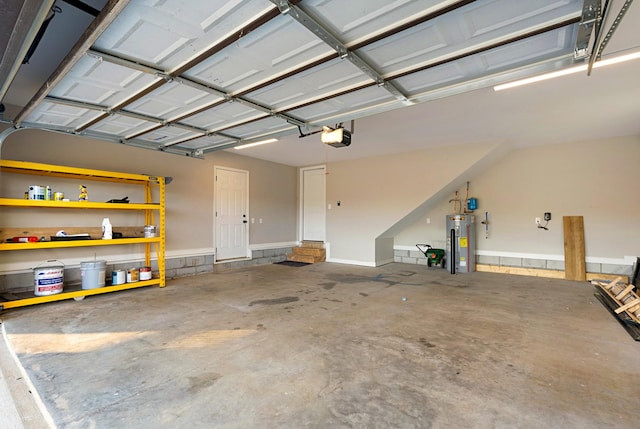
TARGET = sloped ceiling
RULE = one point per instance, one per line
(194, 77)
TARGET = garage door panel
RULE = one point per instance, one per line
(172, 100)
(122, 126)
(61, 116)
(536, 49)
(464, 30)
(222, 116)
(99, 82)
(272, 50)
(334, 76)
(168, 33)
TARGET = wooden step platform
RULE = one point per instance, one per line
(310, 252)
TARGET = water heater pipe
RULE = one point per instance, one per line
(453, 251)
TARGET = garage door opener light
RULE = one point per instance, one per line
(336, 137)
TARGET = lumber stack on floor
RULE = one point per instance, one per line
(310, 252)
(623, 296)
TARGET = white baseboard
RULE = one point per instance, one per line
(265, 246)
(626, 260)
(352, 262)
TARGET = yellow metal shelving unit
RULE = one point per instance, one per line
(150, 209)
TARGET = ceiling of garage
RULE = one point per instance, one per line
(195, 77)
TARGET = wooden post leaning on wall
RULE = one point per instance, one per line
(575, 266)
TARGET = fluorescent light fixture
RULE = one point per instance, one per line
(244, 146)
(567, 71)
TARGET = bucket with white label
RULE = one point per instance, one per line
(93, 274)
(48, 280)
(145, 273)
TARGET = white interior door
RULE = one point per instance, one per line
(231, 213)
(313, 204)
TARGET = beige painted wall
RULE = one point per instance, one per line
(598, 179)
(595, 179)
(189, 198)
(376, 193)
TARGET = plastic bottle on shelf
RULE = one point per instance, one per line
(107, 233)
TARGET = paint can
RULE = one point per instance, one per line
(145, 273)
(149, 231)
(93, 274)
(132, 275)
(36, 192)
(48, 280)
(118, 277)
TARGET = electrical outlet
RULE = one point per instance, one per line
(537, 221)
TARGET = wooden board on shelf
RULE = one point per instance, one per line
(6, 234)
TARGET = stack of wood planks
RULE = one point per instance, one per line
(623, 301)
(310, 252)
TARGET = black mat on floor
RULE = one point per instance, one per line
(627, 323)
(292, 263)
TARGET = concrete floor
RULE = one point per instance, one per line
(334, 346)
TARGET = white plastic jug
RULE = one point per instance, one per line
(107, 233)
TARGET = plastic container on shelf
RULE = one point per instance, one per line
(93, 274)
(48, 279)
(107, 230)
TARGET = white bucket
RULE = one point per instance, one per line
(93, 274)
(48, 280)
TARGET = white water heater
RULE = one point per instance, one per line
(461, 243)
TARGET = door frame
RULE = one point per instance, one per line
(215, 218)
(301, 200)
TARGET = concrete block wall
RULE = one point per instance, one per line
(417, 257)
(409, 257)
(174, 268)
(187, 266)
(258, 257)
